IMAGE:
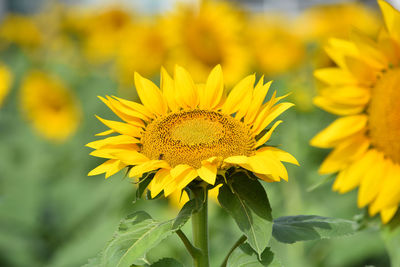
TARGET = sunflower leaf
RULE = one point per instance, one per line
(244, 255)
(137, 234)
(290, 229)
(190, 207)
(167, 262)
(248, 204)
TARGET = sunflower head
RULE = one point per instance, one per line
(364, 90)
(49, 106)
(187, 133)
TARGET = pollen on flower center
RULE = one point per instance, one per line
(189, 137)
(384, 115)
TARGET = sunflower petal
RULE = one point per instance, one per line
(214, 89)
(267, 135)
(185, 88)
(235, 97)
(150, 95)
(147, 166)
(339, 130)
(103, 167)
(167, 86)
(160, 179)
(392, 18)
(122, 128)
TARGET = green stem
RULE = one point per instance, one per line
(238, 243)
(193, 251)
(200, 229)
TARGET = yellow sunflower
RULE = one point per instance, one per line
(50, 106)
(143, 50)
(276, 49)
(6, 79)
(21, 30)
(187, 131)
(364, 90)
(202, 37)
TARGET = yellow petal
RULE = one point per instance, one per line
(333, 107)
(267, 178)
(135, 106)
(114, 168)
(350, 177)
(119, 139)
(389, 195)
(232, 103)
(339, 49)
(339, 130)
(369, 50)
(122, 128)
(160, 179)
(181, 176)
(259, 94)
(185, 88)
(280, 154)
(108, 152)
(372, 182)
(334, 76)
(263, 122)
(103, 167)
(388, 213)
(126, 110)
(105, 133)
(208, 172)
(265, 164)
(344, 154)
(236, 160)
(392, 18)
(130, 157)
(150, 95)
(135, 121)
(348, 94)
(213, 90)
(364, 73)
(167, 86)
(148, 166)
(267, 135)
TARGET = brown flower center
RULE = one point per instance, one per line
(189, 137)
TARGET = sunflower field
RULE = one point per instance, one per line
(200, 133)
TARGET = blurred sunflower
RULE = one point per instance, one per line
(6, 79)
(100, 32)
(318, 23)
(186, 131)
(20, 30)
(143, 50)
(364, 90)
(275, 47)
(202, 37)
(50, 106)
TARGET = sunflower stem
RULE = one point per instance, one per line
(200, 229)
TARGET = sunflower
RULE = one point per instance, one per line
(202, 37)
(6, 78)
(143, 50)
(364, 90)
(49, 105)
(21, 30)
(186, 131)
(276, 49)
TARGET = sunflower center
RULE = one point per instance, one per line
(384, 115)
(189, 137)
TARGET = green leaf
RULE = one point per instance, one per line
(186, 212)
(248, 204)
(290, 229)
(167, 262)
(245, 256)
(136, 235)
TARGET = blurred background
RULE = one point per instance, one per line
(56, 57)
